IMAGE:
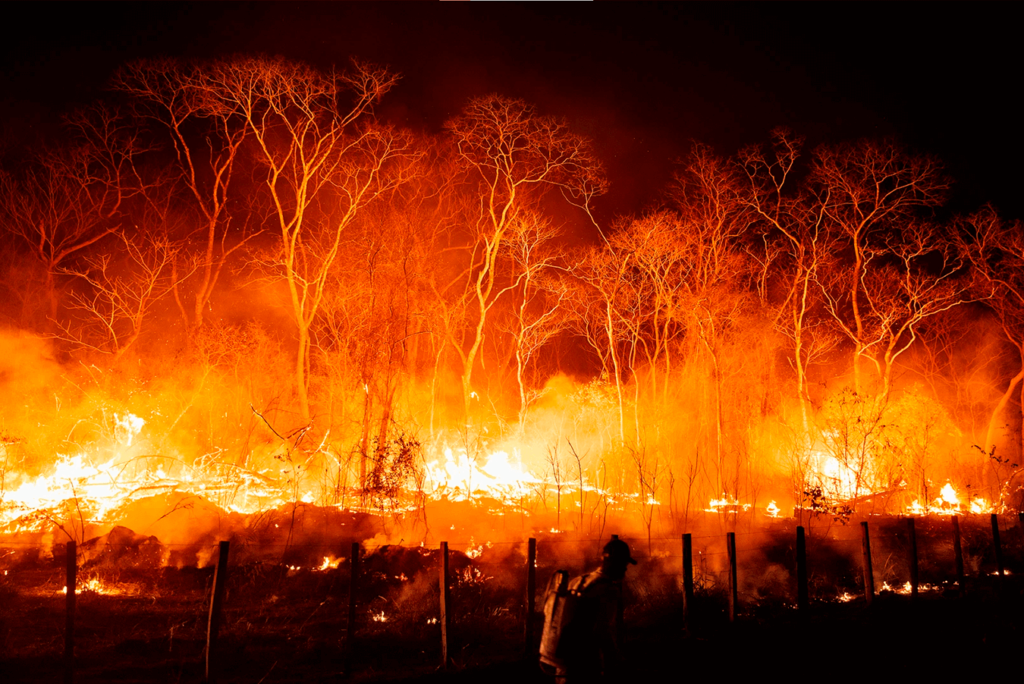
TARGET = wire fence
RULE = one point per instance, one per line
(380, 609)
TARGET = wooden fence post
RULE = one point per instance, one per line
(730, 541)
(620, 612)
(71, 582)
(445, 598)
(869, 577)
(912, 532)
(801, 569)
(531, 591)
(353, 590)
(687, 580)
(220, 575)
(997, 545)
(958, 553)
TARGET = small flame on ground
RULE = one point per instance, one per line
(948, 503)
(726, 504)
(93, 585)
(329, 564)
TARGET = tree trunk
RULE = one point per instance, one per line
(998, 410)
(300, 373)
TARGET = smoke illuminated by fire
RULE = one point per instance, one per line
(447, 321)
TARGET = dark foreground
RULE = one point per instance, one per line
(946, 635)
(286, 620)
(949, 639)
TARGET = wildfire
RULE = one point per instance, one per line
(379, 617)
(948, 503)
(460, 478)
(726, 504)
(773, 509)
(94, 487)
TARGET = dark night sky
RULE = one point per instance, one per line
(641, 80)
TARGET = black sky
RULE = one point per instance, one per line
(642, 80)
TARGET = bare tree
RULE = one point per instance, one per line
(716, 267)
(71, 197)
(206, 133)
(324, 162)
(648, 471)
(537, 317)
(792, 222)
(868, 192)
(512, 155)
(115, 292)
(995, 248)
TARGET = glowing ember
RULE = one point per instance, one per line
(94, 585)
(379, 617)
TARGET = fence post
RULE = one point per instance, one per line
(352, 593)
(620, 611)
(958, 554)
(730, 541)
(801, 569)
(220, 575)
(531, 590)
(912, 532)
(869, 577)
(71, 582)
(445, 598)
(996, 544)
(687, 579)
